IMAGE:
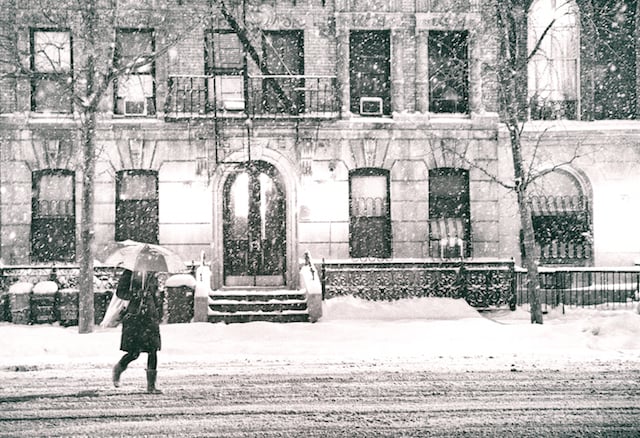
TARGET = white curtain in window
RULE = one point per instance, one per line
(368, 195)
(138, 187)
(554, 68)
(135, 87)
(52, 51)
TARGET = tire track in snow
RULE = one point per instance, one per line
(362, 402)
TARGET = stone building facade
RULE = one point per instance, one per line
(355, 129)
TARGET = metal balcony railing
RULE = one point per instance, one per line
(275, 96)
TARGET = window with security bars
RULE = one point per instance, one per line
(137, 206)
(561, 216)
(224, 60)
(51, 64)
(370, 218)
(135, 90)
(449, 209)
(53, 217)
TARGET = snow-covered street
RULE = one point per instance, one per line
(410, 368)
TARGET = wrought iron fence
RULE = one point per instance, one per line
(482, 284)
(582, 287)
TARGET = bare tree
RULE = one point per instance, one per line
(92, 25)
(516, 51)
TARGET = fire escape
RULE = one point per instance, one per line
(220, 102)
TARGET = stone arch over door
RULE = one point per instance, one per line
(222, 180)
(562, 214)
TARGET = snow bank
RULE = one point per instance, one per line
(432, 333)
(351, 308)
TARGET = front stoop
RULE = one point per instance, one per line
(247, 305)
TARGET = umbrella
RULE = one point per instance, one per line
(138, 256)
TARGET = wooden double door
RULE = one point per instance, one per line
(254, 227)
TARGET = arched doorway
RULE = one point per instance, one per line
(254, 227)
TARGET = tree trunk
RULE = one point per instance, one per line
(88, 121)
(86, 311)
(512, 22)
(530, 259)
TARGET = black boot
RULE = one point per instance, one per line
(118, 369)
(151, 382)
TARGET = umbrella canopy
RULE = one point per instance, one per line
(137, 256)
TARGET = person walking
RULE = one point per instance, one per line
(140, 324)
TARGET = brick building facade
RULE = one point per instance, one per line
(365, 129)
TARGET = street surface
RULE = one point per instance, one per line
(332, 400)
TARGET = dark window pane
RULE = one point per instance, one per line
(53, 220)
(448, 72)
(283, 54)
(370, 224)
(449, 207)
(51, 94)
(137, 206)
(134, 94)
(370, 68)
(51, 59)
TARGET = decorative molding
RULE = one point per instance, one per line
(370, 152)
(447, 21)
(51, 149)
(266, 17)
(137, 153)
(307, 151)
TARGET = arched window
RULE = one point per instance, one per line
(561, 215)
(554, 69)
(370, 224)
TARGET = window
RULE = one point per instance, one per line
(135, 90)
(224, 59)
(554, 69)
(53, 217)
(283, 55)
(51, 62)
(369, 70)
(137, 205)
(449, 208)
(370, 219)
(615, 60)
(448, 72)
(561, 216)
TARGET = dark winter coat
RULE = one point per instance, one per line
(141, 321)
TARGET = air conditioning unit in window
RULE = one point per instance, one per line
(370, 106)
(135, 107)
(229, 104)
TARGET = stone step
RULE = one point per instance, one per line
(250, 304)
(240, 317)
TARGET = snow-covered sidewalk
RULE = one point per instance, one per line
(423, 332)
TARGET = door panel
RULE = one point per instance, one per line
(254, 228)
